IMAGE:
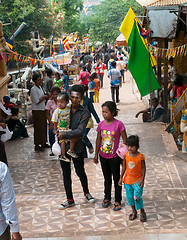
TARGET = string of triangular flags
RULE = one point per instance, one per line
(172, 52)
(21, 58)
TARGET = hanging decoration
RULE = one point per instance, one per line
(164, 52)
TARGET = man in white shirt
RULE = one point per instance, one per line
(115, 82)
(8, 211)
(120, 65)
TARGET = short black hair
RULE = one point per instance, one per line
(171, 59)
(113, 63)
(84, 68)
(65, 71)
(57, 73)
(94, 75)
(132, 141)
(64, 96)
(111, 106)
(178, 81)
(35, 77)
(14, 111)
(77, 88)
(49, 72)
(155, 99)
(12, 94)
(55, 89)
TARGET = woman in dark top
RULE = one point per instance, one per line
(15, 125)
(87, 103)
(65, 81)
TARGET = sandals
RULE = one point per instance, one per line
(143, 217)
(106, 203)
(132, 216)
(117, 206)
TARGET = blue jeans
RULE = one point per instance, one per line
(122, 73)
(91, 96)
(51, 137)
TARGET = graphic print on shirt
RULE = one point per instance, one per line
(107, 143)
(63, 119)
(131, 164)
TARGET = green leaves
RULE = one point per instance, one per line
(104, 23)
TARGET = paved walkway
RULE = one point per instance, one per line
(39, 187)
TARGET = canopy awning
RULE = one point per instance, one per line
(121, 41)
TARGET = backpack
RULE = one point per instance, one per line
(92, 85)
(83, 77)
(111, 64)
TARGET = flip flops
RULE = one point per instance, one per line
(105, 203)
(117, 206)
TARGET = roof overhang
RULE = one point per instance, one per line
(162, 21)
(147, 3)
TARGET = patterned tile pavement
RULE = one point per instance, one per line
(39, 189)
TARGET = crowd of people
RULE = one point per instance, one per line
(67, 112)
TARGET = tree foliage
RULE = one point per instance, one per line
(44, 16)
(71, 21)
(104, 23)
(36, 15)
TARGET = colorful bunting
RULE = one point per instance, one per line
(164, 52)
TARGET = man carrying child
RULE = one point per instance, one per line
(61, 120)
(79, 117)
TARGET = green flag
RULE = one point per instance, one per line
(138, 64)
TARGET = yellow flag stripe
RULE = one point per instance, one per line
(126, 29)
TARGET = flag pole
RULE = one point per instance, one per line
(17, 63)
(150, 103)
(149, 64)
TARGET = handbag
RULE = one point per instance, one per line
(115, 83)
(90, 123)
(5, 134)
(121, 151)
(56, 149)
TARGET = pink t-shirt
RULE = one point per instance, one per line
(84, 74)
(51, 106)
(110, 137)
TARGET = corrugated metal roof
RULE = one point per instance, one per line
(160, 2)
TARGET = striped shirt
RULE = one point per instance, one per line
(8, 212)
(78, 122)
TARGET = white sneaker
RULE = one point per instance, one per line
(89, 198)
(66, 204)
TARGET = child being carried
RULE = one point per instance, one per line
(61, 120)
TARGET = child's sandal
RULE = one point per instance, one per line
(117, 206)
(132, 216)
(105, 203)
(143, 217)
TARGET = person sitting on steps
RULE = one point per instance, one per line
(157, 112)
